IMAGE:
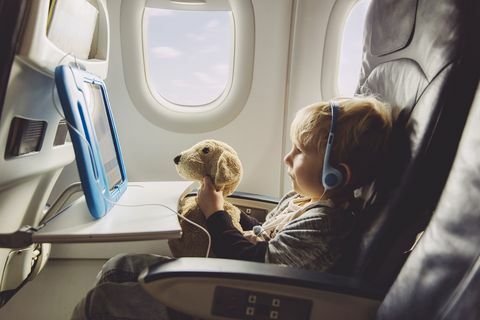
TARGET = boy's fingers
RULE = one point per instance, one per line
(207, 183)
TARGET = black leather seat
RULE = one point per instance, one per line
(441, 278)
(421, 56)
(12, 19)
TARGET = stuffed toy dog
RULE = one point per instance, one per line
(220, 162)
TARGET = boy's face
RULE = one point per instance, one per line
(305, 170)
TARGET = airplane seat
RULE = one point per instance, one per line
(418, 56)
(439, 280)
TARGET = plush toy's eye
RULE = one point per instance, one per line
(206, 150)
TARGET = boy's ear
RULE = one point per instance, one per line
(347, 173)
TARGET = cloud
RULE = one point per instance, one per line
(212, 25)
(205, 78)
(209, 49)
(221, 69)
(166, 52)
(197, 36)
(181, 83)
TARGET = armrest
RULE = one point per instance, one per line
(254, 197)
(230, 289)
(256, 205)
(244, 196)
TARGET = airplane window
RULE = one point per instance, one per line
(351, 50)
(188, 54)
(188, 64)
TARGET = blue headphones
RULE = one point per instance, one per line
(331, 177)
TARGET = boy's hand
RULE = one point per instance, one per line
(210, 200)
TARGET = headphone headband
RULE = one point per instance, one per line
(334, 106)
(331, 177)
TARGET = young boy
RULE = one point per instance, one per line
(337, 147)
(308, 227)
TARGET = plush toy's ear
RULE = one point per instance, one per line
(229, 171)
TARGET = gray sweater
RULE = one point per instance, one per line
(314, 240)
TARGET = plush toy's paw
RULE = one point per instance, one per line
(194, 241)
(234, 212)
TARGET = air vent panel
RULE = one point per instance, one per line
(25, 136)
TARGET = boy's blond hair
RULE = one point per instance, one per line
(363, 127)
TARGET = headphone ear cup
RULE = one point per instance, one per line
(331, 178)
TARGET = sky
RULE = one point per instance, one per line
(190, 54)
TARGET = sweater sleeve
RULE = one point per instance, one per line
(248, 222)
(228, 242)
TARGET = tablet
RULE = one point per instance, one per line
(92, 130)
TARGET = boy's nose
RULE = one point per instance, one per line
(177, 159)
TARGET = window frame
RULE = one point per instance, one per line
(188, 119)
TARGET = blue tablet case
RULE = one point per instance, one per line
(93, 133)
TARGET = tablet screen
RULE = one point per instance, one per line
(97, 110)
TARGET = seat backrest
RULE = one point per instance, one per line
(441, 278)
(12, 20)
(418, 56)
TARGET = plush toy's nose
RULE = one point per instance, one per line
(177, 159)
